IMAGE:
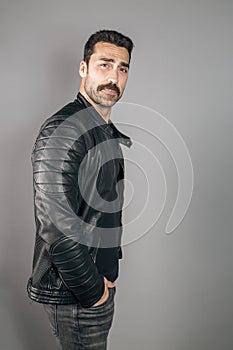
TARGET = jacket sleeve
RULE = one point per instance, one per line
(56, 158)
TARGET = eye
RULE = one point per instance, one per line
(104, 65)
(124, 70)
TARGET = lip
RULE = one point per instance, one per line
(110, 91)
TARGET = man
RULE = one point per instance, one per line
(78, 173)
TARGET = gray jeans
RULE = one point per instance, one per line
(78, 328)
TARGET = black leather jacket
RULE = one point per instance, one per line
(78, 195)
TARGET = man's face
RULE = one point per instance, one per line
(106, 75)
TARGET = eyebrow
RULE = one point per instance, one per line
(122, 63)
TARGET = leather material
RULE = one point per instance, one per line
(78, 169)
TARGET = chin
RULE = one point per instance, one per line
(108, 103)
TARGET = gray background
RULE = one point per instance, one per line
(175, 291)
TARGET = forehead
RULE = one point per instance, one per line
(108, 50)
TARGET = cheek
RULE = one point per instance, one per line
(123, 82)
(98, 74)
(98, 78)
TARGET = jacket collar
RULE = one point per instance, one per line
(109, 128)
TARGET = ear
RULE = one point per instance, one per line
(83, 69)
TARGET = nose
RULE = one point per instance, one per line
(113, 77)
(113, 81)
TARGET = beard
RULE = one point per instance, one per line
(101, 95)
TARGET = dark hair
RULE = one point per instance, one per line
(109, 36)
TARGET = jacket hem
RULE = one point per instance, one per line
(50, 297)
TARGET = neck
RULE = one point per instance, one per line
(104, 112)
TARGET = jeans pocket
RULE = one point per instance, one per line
(111, 292)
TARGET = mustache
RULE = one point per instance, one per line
(109, 86)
